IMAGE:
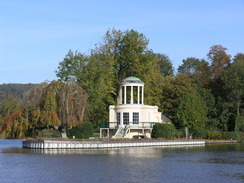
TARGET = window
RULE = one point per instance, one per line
(135, 117)
(118, 118)
(126, 118)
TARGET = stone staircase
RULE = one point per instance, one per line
(119, 134)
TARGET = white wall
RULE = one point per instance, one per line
(146, 113)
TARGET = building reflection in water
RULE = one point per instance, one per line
(138, 152)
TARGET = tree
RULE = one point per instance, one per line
(200, 73)
(239, 57)
(49, 105)
(72, 67)
(233, 91)
(57, 104)
(165, 65)
(197, 69)
(12, 121)
(16, 124)
(190, 66)
(171, 90)
(120, 55)
(220, 60)
(192, 112)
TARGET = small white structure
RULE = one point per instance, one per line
(131, 118)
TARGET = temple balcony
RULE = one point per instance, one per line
(128, 130)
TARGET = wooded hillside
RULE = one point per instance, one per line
(15, 90)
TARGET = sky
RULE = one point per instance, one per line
(35, 35)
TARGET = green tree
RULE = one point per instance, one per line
(220, 62)
(200, 73)
(233, 91)
(192, 112)
(239, 57)
(172, 89)
(120, 55)
(197, 69)
(165, 65)
(213, 120)
(72, 67)
(190, 66)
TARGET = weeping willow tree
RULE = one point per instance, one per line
(49, 105)
(58, 105)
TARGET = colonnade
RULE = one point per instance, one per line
(123, 95)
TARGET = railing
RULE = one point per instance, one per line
(114, 125)
(104, 125)
(126, 129)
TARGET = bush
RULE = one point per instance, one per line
(200, 133)
(240, 137)
(83, 131)
(223, 135)
(229, 135)
(161, 130)
(214, 135)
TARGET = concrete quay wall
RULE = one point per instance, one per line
(53, 144)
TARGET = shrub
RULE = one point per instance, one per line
(161, 130)
(240, 137)
(223, 135)
(83, 131)
(200, 133)
(180, 133)
(214, 135)
(229, 135)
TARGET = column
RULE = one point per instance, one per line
(120, 95)
(125, 95)
(131, 96)
(138, 94)
(142, 97)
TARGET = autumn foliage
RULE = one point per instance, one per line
(49, 105)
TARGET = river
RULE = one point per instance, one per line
(222, 163)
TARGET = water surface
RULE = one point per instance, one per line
(211, 163)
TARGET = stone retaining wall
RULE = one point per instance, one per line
(53, 144)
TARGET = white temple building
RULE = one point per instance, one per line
(130, 117)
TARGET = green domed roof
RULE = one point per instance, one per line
(132, 80)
